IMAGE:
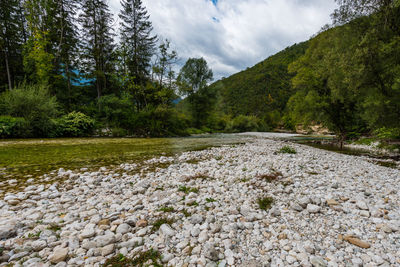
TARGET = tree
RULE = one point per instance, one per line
(136, 36)
(66, 44)
(162, 68)
(11, 41)
(193, 81)
(327, 92)
(97, 42)
(194, 76)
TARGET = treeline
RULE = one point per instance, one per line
(63, 73)
(346, 78)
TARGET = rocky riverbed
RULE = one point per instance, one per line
(244, 205)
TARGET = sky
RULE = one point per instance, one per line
(232, 35)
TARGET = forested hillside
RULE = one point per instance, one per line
(262, 90)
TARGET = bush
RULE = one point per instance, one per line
(387, 133)
(13, 127)
(34, 104)
(159, 121)
(245, 124)
(116, 111)
(75, 124)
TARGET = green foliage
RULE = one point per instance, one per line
(75, 124)
(157, 224)
(194, 76)
(167, 209)
(287, 150)
(13, 127)
(142, 259)
(245, 124)
(265, 203)
(261, 89)
(34, 104)
(187, 190)
(387, 133)
(116, 111)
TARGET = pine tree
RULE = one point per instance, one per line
(136, 35)
(66, 42)
(97, 42)
(11, 33)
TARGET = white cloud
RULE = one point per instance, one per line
(235, 34)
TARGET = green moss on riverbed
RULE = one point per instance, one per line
(31, 158)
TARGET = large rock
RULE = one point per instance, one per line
(7, 231)
(58, 255)
(210, 252)
(88, 231)
(318, 262)
(311, 208)
(166, 230)
(38, 245)
(196, 219)
(104, 240)
(123, 228)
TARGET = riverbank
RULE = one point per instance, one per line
(242, 205)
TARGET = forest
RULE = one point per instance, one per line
(66, 71)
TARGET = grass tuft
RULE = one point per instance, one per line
(145, 258)
(157, 224)
(265, 203)
(287, 150)
(187, 190)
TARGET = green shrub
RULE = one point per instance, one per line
(116, 111)
(119, 132)
(13, 127)
(159, 121)
(75, 124)
(34, 104)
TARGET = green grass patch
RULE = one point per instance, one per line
(210, 200)
(142, 259)
(265, 203)
(287, 150)
(186, 213)
(187, 190)
(157, 224)
(167, 209)
(193, 204)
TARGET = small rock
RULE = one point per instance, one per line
(357, 242)
(166, 230)
(311, 208)
(196, 219)
(123, 228)
(361, 205)
(104, 222)
(38, 245)
(296, 207)
(58, 255)
(318, 262)
(141, 223)
(107, 250)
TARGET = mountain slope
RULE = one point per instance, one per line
(261, 89)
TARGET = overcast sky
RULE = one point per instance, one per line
(234, 34)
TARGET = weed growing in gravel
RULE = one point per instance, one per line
(157, 224)
(141, 259)
(167, 209)
(193, 204)
(187, 190)
(186, 213)
(287, 150)
(35, 235)
(265, 203)
(160, 188)
(54, 227)
(218, 157)
(209, 200)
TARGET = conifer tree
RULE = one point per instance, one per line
(11, 41)
(136, 35)
(97, 42)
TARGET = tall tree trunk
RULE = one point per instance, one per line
(8, 70)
